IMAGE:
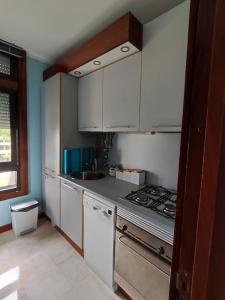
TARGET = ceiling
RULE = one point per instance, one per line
(49, 28)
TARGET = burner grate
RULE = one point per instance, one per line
(157, 198)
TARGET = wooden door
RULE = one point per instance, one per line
(199, 232)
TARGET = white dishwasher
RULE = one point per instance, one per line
(99, 235)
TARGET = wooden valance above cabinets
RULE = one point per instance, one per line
(119, 40)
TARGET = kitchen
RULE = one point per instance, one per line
(111, 117)
(100, 109)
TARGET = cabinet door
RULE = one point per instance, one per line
(90, 102)
(51, 110)
(71, 212)
(163, 69)
(121, 94)
(52, 198)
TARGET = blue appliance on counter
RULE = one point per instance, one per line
(67, 167)
(78, 159)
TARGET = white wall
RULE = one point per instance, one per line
(157, 154)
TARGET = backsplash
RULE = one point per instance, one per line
(157, 154)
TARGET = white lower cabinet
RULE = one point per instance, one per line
(72, 212)
(51, 192)
(99, 232)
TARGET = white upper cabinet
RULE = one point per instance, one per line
(90, 102)
(163, 70)
(145, 91)
(121, 94)
(51, 132)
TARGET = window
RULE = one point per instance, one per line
(13, 127)
(9, 164)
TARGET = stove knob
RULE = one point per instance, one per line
(161, 250)
(124, 227)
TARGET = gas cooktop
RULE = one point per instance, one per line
(157, 198)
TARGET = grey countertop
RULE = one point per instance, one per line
(114, 190)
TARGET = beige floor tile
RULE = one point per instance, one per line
(6, 261)
(7, 237)
(49, 286)
(13, 294)
(90, 288)
(74, 269)
(36, 266)
(57, 248)
(48, 267)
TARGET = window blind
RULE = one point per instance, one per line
(4, 64)
(10, 49)
(4, 111)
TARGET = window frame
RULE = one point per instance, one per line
(18, 84)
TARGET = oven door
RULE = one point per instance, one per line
(140, 272)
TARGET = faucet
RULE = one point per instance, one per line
(88, 166)
(95, 164)
(93, 167)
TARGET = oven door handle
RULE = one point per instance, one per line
(139, 254)
(136, 241)
(143, 245)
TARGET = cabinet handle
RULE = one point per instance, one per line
(69, 187)
(86, 127)
(48, 175)
(49, 170)
(166, 128)
(159, 126)
(120, 126)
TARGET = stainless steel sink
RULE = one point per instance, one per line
(88, 175)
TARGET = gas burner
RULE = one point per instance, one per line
(170, 208)
(141, 200)
(156, 198)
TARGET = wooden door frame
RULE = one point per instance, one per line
(199, 244)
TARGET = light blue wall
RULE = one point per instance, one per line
(34, 82)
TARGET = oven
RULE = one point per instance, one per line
(142, 262)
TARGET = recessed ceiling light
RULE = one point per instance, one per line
(77, 73)
(96, 62)
(125, 49)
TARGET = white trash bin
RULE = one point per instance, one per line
(24, 216)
